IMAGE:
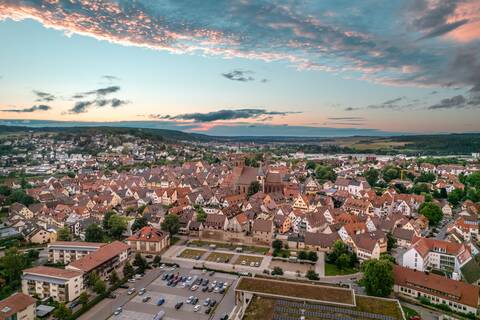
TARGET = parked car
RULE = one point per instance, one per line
(124, 286)
(131, 280)
(205, 289)
(160, 301)
(178, 305)
(118, 311)
(206, 302)
(208, 310)
(142, 291)
(196, 308)
(213, 303)
(146, 299)
(131, 291)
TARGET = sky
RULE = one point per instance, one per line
(245, 67)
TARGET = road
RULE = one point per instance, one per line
(105, 308)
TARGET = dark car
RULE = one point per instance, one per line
(164, 277)
(210, 289)
(205, 282)
(205, 289)
(213, 303)
(194, 301)
(225, 317)
(208, 310)
(179, 305)
(124, 286)
(160, 301)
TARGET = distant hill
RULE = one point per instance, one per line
(431, 144)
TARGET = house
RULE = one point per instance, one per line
(40, 236)
(459, 296)
(320, 241)
(239, 223)
(107, 258)
(215, 222)
(283, 224)
(262, 231)
(67, 251)
(149, 240)
(62, 285)
(18, 306)
(404, 237)
(366, 246)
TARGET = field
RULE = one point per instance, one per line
(191, 253)
(219, 257)
(248, 260)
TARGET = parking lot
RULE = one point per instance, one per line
(174, 294)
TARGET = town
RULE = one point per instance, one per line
(118, 226)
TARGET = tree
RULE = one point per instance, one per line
(324, 173)
(106, 219)
(391, 242)
(371, 175)
(92, 279)
(140, 262)
(427, 177)
(343, 261)
(157, 259)
(312, 275)
(253, 188)
(63, 234)
(310, 165)
(171, 224)
(302, 255)
(389, 173)
(338, 249)
(117, 226)
(94, 233)
(83, 299)
(432, 212)
(139, 223)
(201, 215)
(100, 287)
(277, 271)
(114, 277)
(378, 277)
(62, 312)
(312, 256)
(473, 180)
(33, 254)
(455, 197)
(128, 271)
(277, 244)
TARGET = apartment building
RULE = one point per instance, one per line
(149, 240)
(18, 306)
(428, 253)
(61, 284)
(107, 258)
(68, 251)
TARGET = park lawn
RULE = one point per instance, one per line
(248, 260)
(219, 257)
(332, 270)
(191, 253)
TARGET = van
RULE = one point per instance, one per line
(159, 315)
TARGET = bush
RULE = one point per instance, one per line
(312, 275)
(277, 271)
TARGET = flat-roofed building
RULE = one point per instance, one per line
(18, 306)
(107, 258)
(263, 298)
(68, 251)
(61, 284)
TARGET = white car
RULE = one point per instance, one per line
(130, 291)
(196, 308)
(131, 280)
(118, 311)
(194, 287)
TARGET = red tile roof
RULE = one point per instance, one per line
(15, 303)
(102, 255)
(53, 272)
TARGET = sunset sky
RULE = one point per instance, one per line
(244, 67)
